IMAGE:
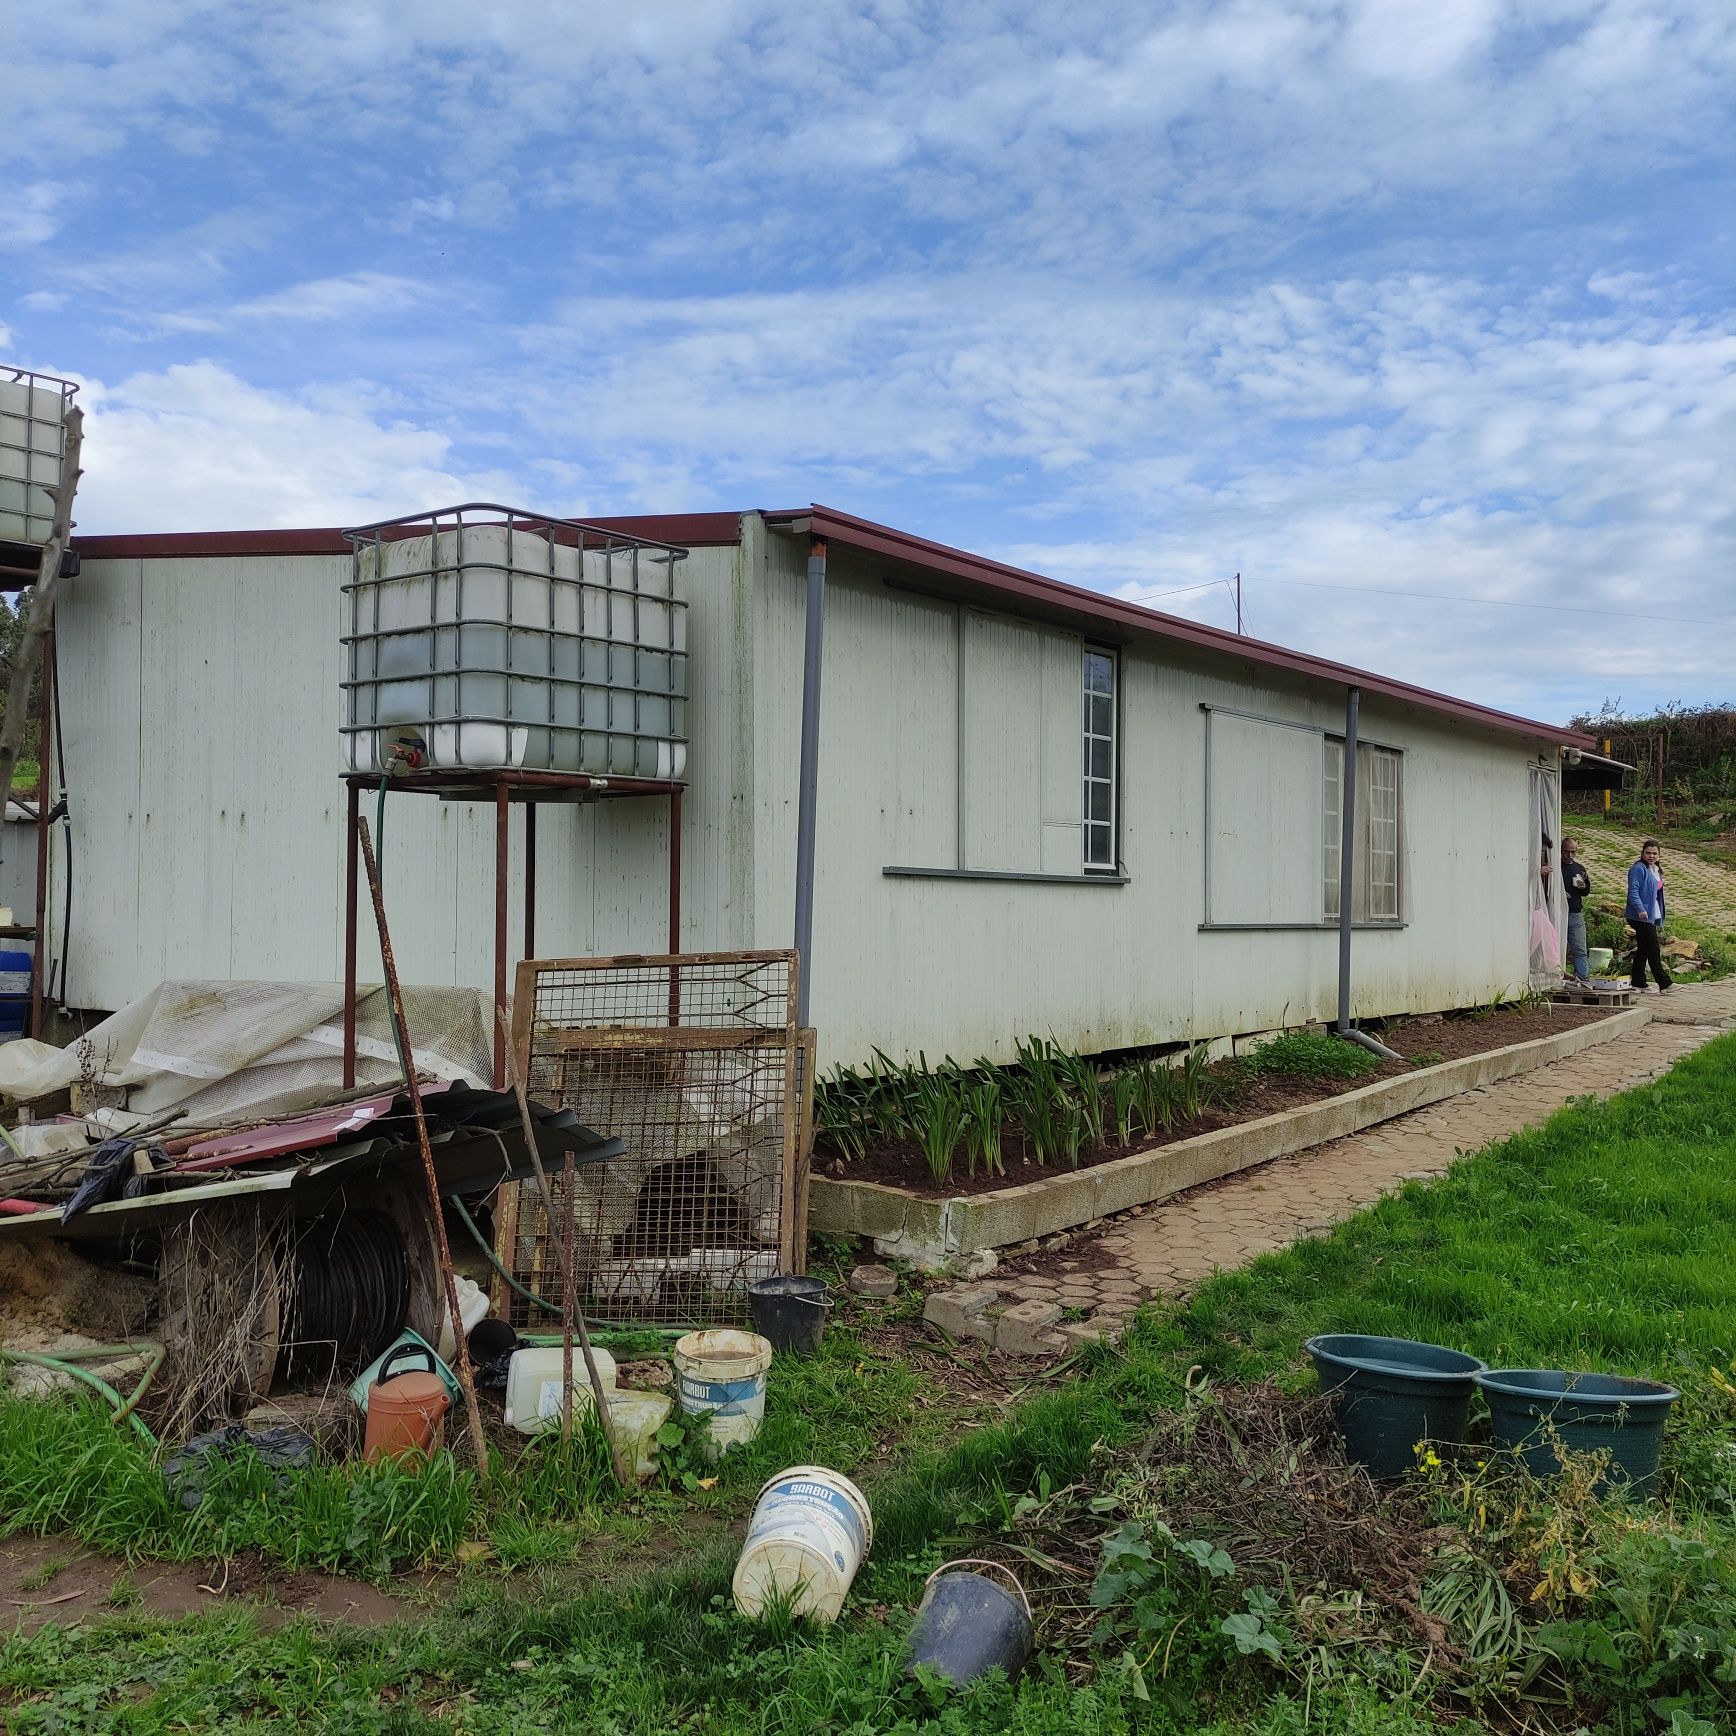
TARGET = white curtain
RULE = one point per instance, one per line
(1547, 902)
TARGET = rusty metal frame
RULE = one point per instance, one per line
(541, 1042)
(502, 789)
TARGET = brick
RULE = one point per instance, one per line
(1026, 1329)
(879, 1281)
(962, 1311)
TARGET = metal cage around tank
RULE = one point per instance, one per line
(485, 638)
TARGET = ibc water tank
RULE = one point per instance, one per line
(492, 639)
(33, 411)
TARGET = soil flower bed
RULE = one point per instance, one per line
(1233, 1091)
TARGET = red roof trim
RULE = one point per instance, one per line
(682, 529)
(1031, 587)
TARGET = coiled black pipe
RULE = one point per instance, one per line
(347, 1292)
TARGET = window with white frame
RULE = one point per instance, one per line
(1100, 793)
(1376, 878)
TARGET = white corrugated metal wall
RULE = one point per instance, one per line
(966, 967)
(201, 704)
(202, 708)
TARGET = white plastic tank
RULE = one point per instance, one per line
(33, 410)
(487, 639)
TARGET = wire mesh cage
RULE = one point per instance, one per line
(696, 1064)
(33, 412)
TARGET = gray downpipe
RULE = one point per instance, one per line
(810, 775)
(1346, 879)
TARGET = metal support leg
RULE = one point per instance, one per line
(674, 870)
(351, 870)
(501, 810)
(674, 904)
(530, 879)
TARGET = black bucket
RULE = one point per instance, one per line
(967, 1625)
(789, 1311)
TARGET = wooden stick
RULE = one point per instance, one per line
(40, 619)
(617, 1456)
(466, 1378)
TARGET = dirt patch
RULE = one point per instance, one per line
(45, 1580)
(1421, 1041)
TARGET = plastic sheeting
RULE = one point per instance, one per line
(224, 1052)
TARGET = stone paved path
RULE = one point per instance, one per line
(1696, 888)
(1165, 1249)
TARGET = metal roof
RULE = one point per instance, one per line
(684, 529)
(951, 568)
(1033, 591)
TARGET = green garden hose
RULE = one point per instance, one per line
(597, 1331)
(67, 1362)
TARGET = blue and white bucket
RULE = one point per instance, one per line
(722, 1375)
(810, 1530)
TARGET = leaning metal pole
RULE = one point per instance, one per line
(571, 1315)
(465, 1378)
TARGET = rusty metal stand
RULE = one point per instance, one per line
(502, 789)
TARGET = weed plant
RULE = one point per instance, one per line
(1309, 1055)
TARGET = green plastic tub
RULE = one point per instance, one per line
(1393, 1394)
(1537, 1410)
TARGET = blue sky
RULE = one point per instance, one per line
(1358, 299)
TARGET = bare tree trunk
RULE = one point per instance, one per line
(39, 620)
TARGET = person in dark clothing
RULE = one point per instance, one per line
(1578, 884)
(1645, 915)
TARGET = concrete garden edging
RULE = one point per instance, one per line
(932, 1233)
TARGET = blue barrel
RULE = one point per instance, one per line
(15, 969)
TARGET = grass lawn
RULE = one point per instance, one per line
(1605, 1239)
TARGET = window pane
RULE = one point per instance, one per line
(1099, 675)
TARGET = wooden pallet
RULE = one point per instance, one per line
(1616, 995)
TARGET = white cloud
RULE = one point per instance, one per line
(195, 448)
(358, 296)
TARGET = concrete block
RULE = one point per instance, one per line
(876, 1281)
(963, 1311)
(1082, 1332)
(1026, 1329)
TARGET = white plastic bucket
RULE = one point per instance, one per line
(723, 1374)
(810, 1530)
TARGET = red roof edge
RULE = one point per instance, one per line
(1029, 587)
(682, 529)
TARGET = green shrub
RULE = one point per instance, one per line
(1310, 1055)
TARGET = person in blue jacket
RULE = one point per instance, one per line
(1645, 915)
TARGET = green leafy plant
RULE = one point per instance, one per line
(984, 1118)
(939, 1117)
(1082, 1078)
(1037, 1095)
(1309, 1055)
(1125, 1101)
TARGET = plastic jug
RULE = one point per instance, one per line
(533, 1385)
